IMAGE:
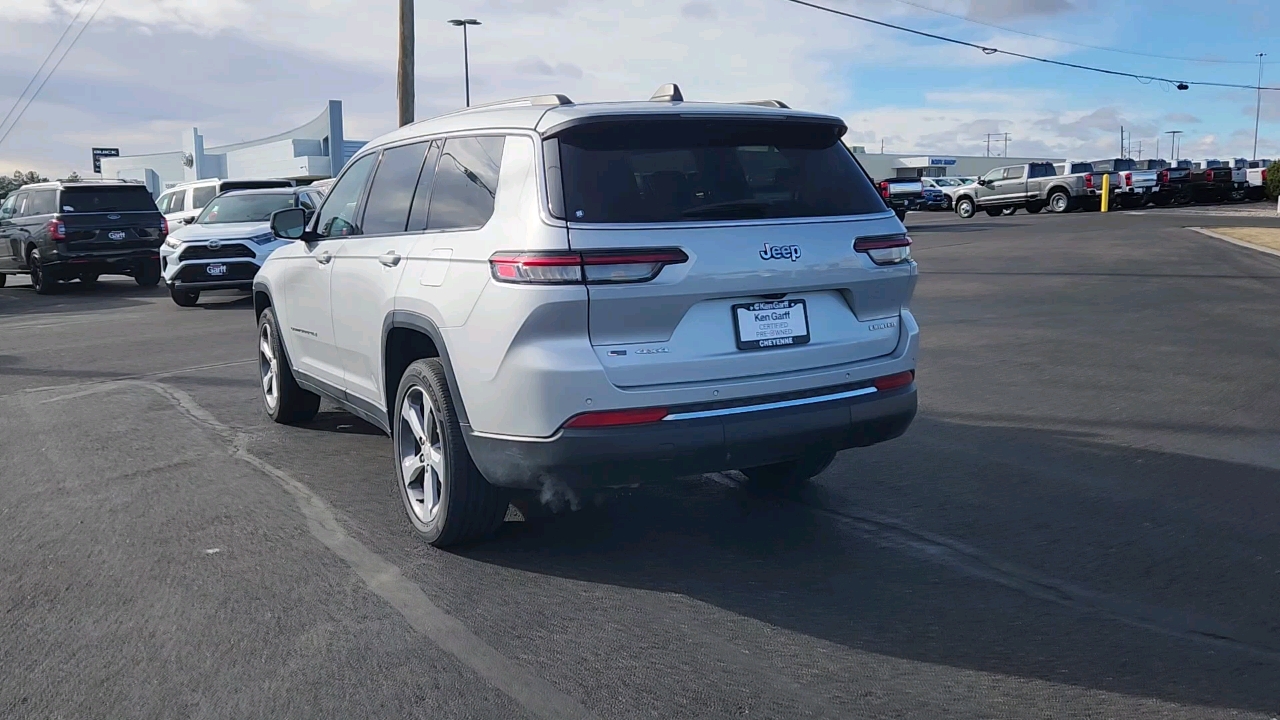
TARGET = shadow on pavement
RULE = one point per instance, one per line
(73, 297)
(1144, 567)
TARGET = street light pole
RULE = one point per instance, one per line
(466, 61)
(1257, 118)
(404, 71)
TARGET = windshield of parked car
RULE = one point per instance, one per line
(948, 182)
(680, 169)
(126, 198)
(244, 207)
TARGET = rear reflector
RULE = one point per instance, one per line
(614, 418)
(885, 249)
(592, 266)
(894, 381)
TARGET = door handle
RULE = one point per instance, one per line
(389, 258)
(324, 257)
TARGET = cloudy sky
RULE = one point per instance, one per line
(241, 69)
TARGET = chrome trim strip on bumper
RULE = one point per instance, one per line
(769, 406)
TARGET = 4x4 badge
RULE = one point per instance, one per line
(780, 252)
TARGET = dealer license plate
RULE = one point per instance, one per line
(215, 269)
(772, 323)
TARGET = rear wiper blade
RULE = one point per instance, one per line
(729, 206)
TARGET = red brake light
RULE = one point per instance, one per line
(1088, 181)
(592, 266)
(1264, 174)
(884, 188)
(885, 249)
(614, 418)
(164, 226)
(894, 381)
(57, 230)
(1164, 177)
(1128, 179)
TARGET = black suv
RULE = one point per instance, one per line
(59, 231)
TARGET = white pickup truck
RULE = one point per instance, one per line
(1136, 187)
(1257, 178)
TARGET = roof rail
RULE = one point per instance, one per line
(553, 100)
(667, 93)
(766, 103)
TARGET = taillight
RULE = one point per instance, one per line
(1264, 175)
(1088, 181)
(1128, 179)
(1164, 177)
(591, 267)
(885, 249)
(57, 231)
(164, 226)
(894, 381)
(884, 189)
(614, 418)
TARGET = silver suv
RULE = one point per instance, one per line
(544, 296)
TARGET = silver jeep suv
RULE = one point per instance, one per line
(545, 296)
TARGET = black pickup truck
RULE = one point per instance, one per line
(902, 194)
(59, 231)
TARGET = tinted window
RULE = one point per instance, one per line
(1081, 168)
(179, 201)
(466, 183)
(1124, 165)
(418, 214)
(338, 214)
(125, 198)
(681, 169)
(202, 195)
(306, 201)
(42, 202)
(244, 207)
(1039, 170)
(19, 205)
(7, 209)
(391, 194)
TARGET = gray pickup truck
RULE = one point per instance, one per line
(1032, 186)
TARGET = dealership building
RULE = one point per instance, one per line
(311, 152)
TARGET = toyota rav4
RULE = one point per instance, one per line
(547, 296)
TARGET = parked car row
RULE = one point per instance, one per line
(56, 232)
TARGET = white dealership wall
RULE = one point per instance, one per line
(311, 152)
(887, 165)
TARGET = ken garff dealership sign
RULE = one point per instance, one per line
(99, 153)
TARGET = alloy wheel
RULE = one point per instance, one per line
(268, 368)
(420, 450)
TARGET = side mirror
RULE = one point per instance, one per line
(982, 181)
(188, 220)
(289, 224)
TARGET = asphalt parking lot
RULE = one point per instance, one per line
(1084, 521)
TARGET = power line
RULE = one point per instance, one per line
(52, 70)
(1072, 42)
(1145, 79)
(18, 100)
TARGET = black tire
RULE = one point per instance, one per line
(468, 507)
(1059, 202)
(966, 208)
(1162, 200)
(40, 276)
(89, 280)
(1034, 208)
(185, 298)
(147, 274)
(1009, 211)
(902, 214)
(3, 279)
(292, 405)
(995, 212)
(789, 473)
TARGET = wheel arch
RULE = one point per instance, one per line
(408, 336)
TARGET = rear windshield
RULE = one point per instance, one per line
(1080, 168)
(1123, 165)
(244, 207)
(682, 169)
(107, 199)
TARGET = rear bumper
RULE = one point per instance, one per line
(602, 457)
(116, 263)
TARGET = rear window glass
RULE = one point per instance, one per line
(202, 195)
(1124, 165)
(1080, 168)
(107, 199)
(682, 169)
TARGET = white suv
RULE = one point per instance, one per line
(542, 295)
(182, 203)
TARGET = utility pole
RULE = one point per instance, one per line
(1121, 141)
(1139, 149)
(988, 144)
(466, 54)
(1173, 142)
(404, 72)
(1257, 118)
(1006, 144)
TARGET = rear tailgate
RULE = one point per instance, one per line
(110, 219)
(766, 213)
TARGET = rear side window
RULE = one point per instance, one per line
(178, 202)
(201, 196)
(1041, 170)
(129, 198)
(687, 169)
(466, 183)
(418, 215)
(42, 202)
(1013, 173)
(391, 194)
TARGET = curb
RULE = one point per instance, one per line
(1233, 241)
